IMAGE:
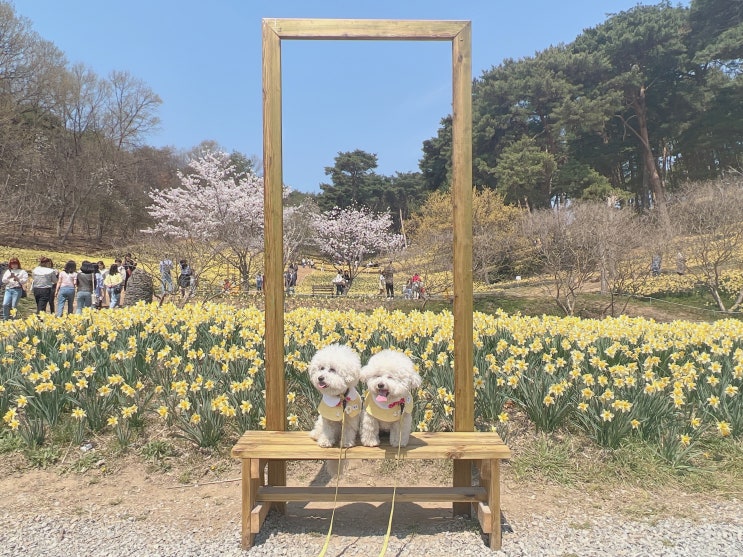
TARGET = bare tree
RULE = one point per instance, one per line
(29, 69)
(709, 221)
(130, 111)
(298, 231)
(565, 242)
(621, 248)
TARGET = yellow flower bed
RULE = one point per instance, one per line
(29, 258)
(731, 283)
(200, 371)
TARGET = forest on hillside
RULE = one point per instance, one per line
(630, 110)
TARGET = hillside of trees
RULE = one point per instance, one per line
(631, 110)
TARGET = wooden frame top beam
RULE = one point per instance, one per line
(365, 29)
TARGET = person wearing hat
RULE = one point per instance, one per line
(44, 281)
(13, 280)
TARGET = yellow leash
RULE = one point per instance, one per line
(394, 488)
(324, 549)
(337, 482)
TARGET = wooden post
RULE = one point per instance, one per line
(273, 284)
(462, 203)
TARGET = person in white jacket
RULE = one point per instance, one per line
(44, 282)
(14, 279)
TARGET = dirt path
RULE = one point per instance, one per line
(132, 490)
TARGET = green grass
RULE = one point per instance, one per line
(158, 450)
(8, 442)
(43, 457)
(571, 461)
(545, 458)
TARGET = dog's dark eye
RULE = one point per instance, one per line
(331, 370)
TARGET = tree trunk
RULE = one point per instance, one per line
(650, 166)
(71, 224)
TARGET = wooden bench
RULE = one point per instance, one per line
(256, 448)
(325, 289)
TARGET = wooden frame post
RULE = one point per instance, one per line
(460, 34)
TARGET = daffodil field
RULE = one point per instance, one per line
(198, 372)
(731, 282)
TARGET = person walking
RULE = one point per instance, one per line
(389, 284)
(185, 278)
(66, 287)
(339, 283)
(166, 268)
(100, 288)
(114, 283)
(14, 279)
(44, 278)
(85, 283)
(129, 266)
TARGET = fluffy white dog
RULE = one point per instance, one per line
(390, 378)
(334, 372)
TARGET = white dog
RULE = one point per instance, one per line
(334, 372)
(390, 378)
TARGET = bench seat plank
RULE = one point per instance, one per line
(297, 445)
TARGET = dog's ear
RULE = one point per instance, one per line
(352, 367)
(414, 380)
(366, 373)
(351, 375)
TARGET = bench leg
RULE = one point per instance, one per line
(277, 477)
(462, 478)
(493, 487)
(249, 488)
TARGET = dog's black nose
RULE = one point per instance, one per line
(321, 378)
(380, 386)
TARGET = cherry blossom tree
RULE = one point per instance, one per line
(219, 205)
(349, 236)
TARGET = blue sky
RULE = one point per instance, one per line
(204, 60)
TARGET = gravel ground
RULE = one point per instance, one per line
(717, 531)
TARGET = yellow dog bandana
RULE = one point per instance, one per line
(331, 407)
(387, 411)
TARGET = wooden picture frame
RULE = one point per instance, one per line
(459, 33)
